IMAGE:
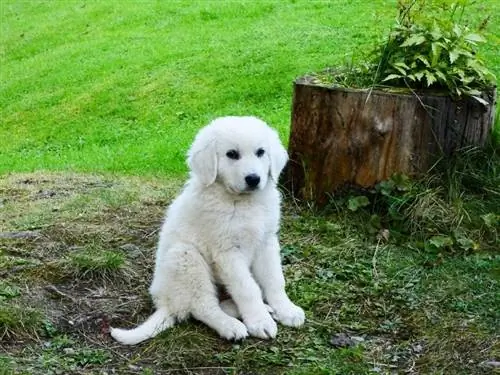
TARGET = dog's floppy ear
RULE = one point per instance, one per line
(277, 154)
(202, 157)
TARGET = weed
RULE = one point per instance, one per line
(95, 263)
(8, 290)
(17, 320)
(452, 209)
(431, 47)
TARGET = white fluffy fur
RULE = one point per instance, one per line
(219, 231)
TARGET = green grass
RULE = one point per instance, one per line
(123, 86)
(433, 309)
(19, 320)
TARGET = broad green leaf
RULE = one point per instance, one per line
(467, 244)
(441, 76)
(436, 52)
(454, 55)
(355, 203)
(392, 76)
(491, 220)
(423, 59)
(460, 73)
(457, 30)
(473, 38)
(430, 78)
(401, 181)
(402, 65)
(441, 241)
(436, 32)
(386, 187)
(467, 79)
(419, 75)
(400, 70)
(474, 92)
(414, 40)
(464, 52)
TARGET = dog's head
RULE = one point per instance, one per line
(242, 153)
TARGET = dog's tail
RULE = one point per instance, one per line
(156, 323)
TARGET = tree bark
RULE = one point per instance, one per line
(360, 137)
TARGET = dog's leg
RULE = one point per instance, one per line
(230, 308)
(183, 282)
(209, 312)
(206, 308)
(235, 275)
(269, 275)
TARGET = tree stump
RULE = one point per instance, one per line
(345, 137)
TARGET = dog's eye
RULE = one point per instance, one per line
(233, 154)
(260, 152)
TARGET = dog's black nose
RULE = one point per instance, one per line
(252, 180)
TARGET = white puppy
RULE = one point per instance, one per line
(222, 230)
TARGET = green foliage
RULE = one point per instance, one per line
(430, 48)
(8, 291)
(18, 320)
(357, 202)
(453, 210)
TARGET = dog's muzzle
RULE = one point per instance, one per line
(252, 181)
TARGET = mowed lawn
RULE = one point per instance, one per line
(99, 101)
(123, 86)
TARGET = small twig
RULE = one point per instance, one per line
(52, 288)
(151, 234)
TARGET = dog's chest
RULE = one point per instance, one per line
(248, 226)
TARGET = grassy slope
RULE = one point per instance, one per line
(123, 86)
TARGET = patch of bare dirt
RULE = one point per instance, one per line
(45, 220)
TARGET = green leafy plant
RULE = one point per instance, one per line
(432, 211)
(435, 52)
(357, 202)
(431, 47)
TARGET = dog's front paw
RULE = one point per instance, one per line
(262, 326)
(289, 314)
(233, 330)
